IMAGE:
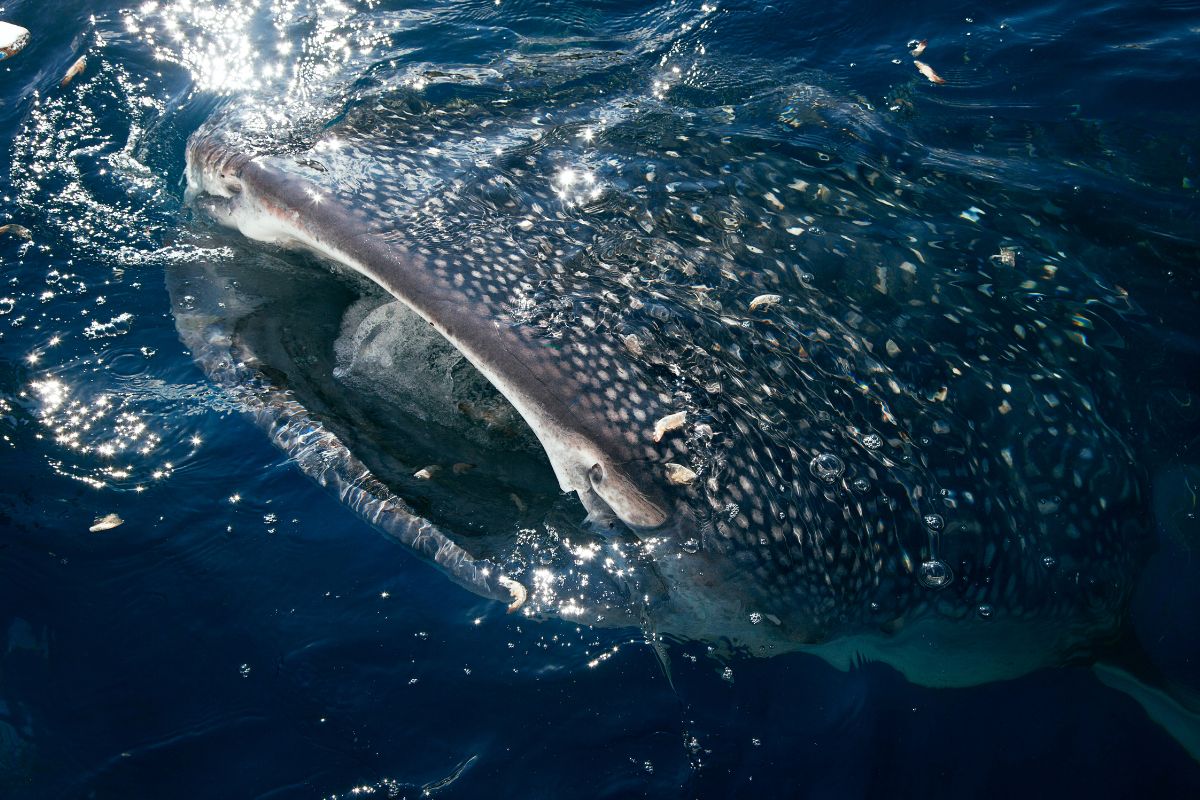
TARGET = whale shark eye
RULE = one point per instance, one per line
(625, 498)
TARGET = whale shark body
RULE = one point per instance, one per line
(801, 434)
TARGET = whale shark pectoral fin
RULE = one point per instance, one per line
(1169, 711)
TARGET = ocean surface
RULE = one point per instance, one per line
(240, 633)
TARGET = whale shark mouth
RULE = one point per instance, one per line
(593, 416)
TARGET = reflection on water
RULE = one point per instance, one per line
(984, 314)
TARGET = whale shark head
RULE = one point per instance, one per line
(802, 466)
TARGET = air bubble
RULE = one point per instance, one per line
(1049, 562)
(872, 441)
(861, 485)
(984, 610)
(755, 618)
(827, 467)
(935, 574)
(690, 546)
(934, 522)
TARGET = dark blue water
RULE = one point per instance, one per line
(243, 635)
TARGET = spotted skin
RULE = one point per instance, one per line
(867, 461)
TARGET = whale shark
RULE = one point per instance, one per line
(798, 434)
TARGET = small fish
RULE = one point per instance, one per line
(765, 301)
(678, 474)
(632, 343)
(928, 72)
(518, 591)
(917, 48)
(13, 39)
(668, 424)
(462, 468)
(106, 523)
(79, 66)
(20, 231)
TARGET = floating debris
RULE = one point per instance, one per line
(679, 475)
(928, 72)
(427, 473)
(79, 66)
(518, 502)
(765, 301)
(668, 424)
(517, 590)
(13, 229)
(13, 39)
(106, 523)
(917, 48)
(1007, 256)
